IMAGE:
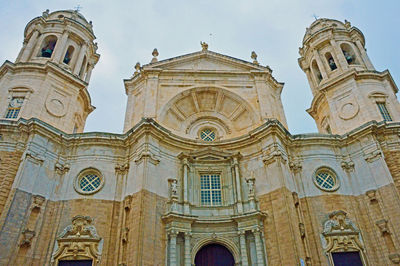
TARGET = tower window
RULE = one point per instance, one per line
(48, 46)
(331, 61)
(384, 112)
(210, 186)
(348, 54)
(14, 107)
(68, 55)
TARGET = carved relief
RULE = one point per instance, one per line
(340, 234)
(27, 236)
(78, 241)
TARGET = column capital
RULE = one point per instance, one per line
(173, 232)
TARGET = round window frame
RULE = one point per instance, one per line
(332, 173)
(210, 128)
(82, 174)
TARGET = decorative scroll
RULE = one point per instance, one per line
(78, 241)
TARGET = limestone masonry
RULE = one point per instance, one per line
(205, 172)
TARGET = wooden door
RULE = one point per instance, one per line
(214, 255)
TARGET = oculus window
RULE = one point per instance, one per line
(89, 181)
(325, 179)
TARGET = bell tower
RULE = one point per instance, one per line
(348, 91)
(50, 76)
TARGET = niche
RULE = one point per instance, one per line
(349, 54)
(48, 45)
(331, 61)
(68, 55)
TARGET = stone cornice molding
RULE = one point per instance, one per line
(146, 154)
(25, 128)
(35, 157)
(373, 156)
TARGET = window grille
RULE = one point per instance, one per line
(14, 107)
(210, 186)
(384, 112)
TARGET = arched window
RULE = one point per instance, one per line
(349, 54)
(48, 45)
(316, 71)
(68, 55)
(331, 61)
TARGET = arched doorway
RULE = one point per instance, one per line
(214, 255)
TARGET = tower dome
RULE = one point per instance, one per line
(50, 76)
(347, 90)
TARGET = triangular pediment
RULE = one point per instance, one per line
(205, 61)
(208, 154)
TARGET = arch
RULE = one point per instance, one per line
(331, 61)
(229, 112)
(349, 54)
(316, 71)
(216, 254)
(68, 55)
(47, 47)
(227, 243)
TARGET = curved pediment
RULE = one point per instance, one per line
(192, 110)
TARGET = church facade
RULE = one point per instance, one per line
(206, 171)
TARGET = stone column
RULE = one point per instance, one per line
(321, 66)
(238, 185)
(243, 248)
(339, 54)
(79, 61)
(60, 48)
(259, 247)
(364, 56)
(185, 186)
(172, 247)
(89, 72)
(29, 47)
(188, 256)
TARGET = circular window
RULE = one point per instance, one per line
(207, 134)
(326, 179)
(89, 181)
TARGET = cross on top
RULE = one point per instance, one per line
(315, 16)
(77, 8)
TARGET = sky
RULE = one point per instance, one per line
(128, 31)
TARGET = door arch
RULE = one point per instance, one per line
(214, 255)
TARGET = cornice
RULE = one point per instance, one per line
(149, 126)
(351, 73)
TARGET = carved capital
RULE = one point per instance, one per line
(61, 169)
(122, 168)
(295, 166)
(347, 165)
